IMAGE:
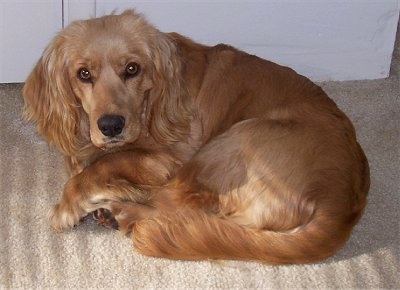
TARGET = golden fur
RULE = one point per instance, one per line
(222, 154)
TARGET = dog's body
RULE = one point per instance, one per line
(202, 152)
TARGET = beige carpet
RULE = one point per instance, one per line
(33, 256)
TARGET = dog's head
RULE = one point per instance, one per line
(103, 81)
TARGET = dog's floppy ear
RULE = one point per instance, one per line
(50, 101)
(169, 113)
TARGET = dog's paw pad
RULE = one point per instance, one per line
(105, 218)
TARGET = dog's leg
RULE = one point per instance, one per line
(122, 215)
(117, 177)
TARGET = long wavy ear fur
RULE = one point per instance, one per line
(50, 101)
(168, 115)
(170, 112)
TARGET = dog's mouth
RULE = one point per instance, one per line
(112, 143)
(106, 143)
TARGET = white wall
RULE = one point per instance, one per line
(25, 29)
(325, 39)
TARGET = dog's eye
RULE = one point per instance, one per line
(84, 75)
(132, 69)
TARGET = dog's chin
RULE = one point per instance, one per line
(109, 144)
(113, 143)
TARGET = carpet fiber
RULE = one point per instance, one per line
(89, 256)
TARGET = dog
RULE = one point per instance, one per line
(198, 152)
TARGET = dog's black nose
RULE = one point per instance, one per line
(111, 125)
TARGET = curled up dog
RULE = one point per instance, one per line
(198, 152)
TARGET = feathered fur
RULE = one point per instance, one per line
(217, 154)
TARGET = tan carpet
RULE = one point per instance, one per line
(31, 180)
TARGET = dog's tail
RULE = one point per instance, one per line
(194, 235)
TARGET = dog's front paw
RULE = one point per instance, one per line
(63, 217)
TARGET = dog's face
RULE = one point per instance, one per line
(110, 74)
(104, 81)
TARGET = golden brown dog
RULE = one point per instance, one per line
(201, 152)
